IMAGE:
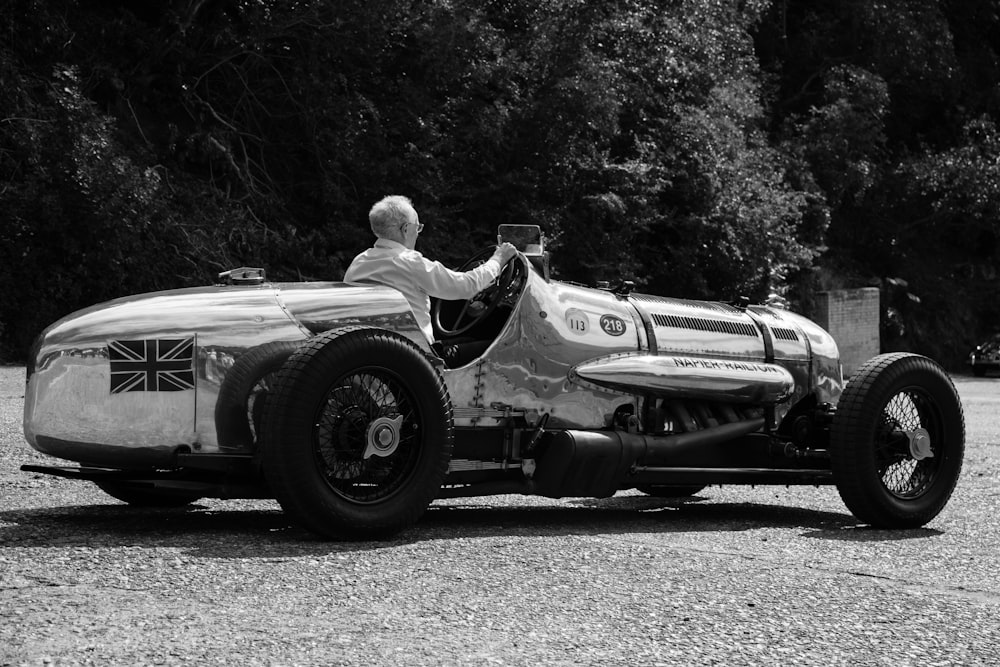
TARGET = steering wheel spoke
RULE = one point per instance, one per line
(461, 315)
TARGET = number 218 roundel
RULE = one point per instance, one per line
(612, 325)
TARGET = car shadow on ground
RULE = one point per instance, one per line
(636, 514)
(261, 533)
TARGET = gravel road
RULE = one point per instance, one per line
(736, 576)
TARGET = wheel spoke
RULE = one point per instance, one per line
(902, 475)
(341, 435)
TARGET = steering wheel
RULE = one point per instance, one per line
(480, 306)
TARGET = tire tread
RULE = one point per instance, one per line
(308, 364)
(851, 448)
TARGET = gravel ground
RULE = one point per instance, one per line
(736, 576)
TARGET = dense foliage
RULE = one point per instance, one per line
(702, 148)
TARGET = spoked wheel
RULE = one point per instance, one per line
(367, 435)
(358, 435)
(897, 441)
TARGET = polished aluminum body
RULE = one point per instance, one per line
(71, 413)
(556, 330)
(553, 327)
(572, 354)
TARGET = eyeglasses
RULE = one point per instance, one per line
(420, 227)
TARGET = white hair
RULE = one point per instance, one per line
(389, 214)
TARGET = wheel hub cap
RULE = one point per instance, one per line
(383, 436)
(920, 444)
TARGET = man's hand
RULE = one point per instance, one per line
(504, 253)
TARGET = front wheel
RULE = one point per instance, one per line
(357, 437)
(897, 441)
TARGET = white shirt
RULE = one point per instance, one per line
(418, 278)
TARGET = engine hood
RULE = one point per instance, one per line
(757, 334)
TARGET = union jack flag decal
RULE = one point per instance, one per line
(151, 365)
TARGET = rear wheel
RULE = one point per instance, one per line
(358, 435)
(897, 441)
(240, 405)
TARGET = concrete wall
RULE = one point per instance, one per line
(852, 318)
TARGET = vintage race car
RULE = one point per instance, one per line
(986, 357)
(327, 397)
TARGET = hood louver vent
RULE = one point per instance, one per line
(699, 324)
(784, 334)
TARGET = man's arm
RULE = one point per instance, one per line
(439, 281)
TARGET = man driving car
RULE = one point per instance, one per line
(393, 261)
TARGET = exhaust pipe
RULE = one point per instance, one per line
(594, 463)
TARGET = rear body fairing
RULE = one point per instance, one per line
(72, 407)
